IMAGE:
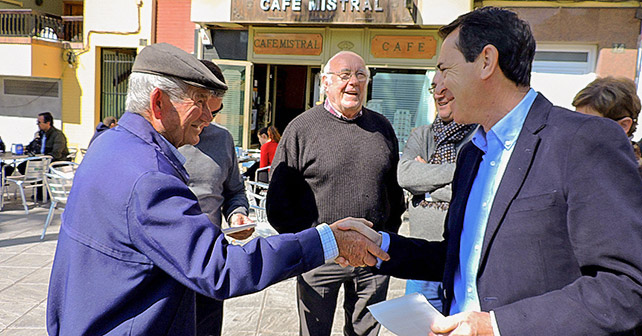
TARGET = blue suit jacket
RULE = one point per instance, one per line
(134, 246)
(562, 252)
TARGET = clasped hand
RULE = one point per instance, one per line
(359, 245)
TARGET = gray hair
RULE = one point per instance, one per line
(218, 93)
(141, 86)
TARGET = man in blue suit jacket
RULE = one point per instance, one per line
(132, 254)
(544, 231)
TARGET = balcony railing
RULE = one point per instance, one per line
(30, 23)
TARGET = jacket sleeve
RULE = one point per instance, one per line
(263, 161)
(165, 223)
(420, 178)
(414, 258)
(285, 213)
(59, 145)
(603, 207)
(395, 193)
(234, 198)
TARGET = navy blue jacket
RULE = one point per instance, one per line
(100, 128)
(134, 246)
(562, 251)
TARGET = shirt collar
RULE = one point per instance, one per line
(507, 129)
(328, 106)
(140, 127)
(174, 151)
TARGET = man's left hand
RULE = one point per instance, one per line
(467, 323)
(238, 219)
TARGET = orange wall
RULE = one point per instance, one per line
(46, 60)
(173, 23)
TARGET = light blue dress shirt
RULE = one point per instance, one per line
(498, 145)
(42, 143)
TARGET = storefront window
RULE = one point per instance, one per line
(402, 96)
(231, 117)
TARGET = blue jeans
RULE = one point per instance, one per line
(430, 289)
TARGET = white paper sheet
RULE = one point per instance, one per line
(235, 229)
(410, 315)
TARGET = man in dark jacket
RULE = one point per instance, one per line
(49, 140)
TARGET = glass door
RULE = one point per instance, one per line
(236, 115)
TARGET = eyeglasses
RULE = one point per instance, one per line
(346, 75)
(214, 113)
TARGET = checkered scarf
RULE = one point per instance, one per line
(446, 136)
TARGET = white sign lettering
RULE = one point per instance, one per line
(322, 5)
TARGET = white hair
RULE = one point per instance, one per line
(141, 86)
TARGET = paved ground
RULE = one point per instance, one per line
(25, 266)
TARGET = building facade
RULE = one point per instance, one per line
(72, 58)
(274, 51)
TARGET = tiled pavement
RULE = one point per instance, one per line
(25, 265)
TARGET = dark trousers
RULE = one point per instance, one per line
(209, 316)
(317, 292)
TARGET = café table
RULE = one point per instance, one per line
(7, 159)
(10, 159)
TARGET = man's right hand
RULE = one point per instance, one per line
(358, 243)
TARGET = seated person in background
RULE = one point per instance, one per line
(263, 138)
(269, 138)
(268, 147)
(49, 140)
(8, 170)
(107, 123)
(613, 98)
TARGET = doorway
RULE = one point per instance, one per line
(281, 93)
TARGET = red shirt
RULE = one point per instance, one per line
(267, 153)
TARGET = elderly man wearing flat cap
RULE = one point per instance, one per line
(131, 255)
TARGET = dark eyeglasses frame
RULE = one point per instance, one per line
(214, 113)
(432, 90)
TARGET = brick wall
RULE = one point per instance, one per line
(173, 23)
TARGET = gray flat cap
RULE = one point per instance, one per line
(164, 59)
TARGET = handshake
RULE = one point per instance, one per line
(359, 245)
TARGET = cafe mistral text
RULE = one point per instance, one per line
(322, 5)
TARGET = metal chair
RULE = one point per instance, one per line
(59, 181)
(73, 152)
(255, 192)
(262, 175)
(33, 177)
(63, 168)
(2, 185)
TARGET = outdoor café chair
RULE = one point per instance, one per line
(59, 181)
(33, 177)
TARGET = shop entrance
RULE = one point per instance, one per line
(282, 92)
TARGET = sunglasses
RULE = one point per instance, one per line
(214, 113)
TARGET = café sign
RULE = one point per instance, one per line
(321, 5)
(321, 11)
(287, 44)
(417, 47)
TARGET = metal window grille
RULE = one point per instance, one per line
(116, 67)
